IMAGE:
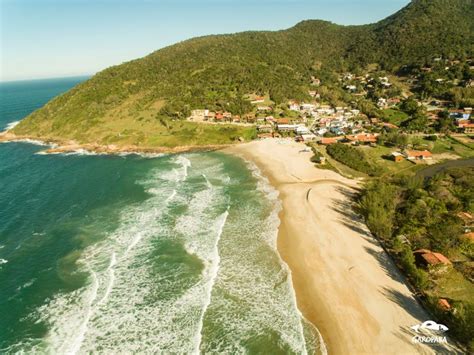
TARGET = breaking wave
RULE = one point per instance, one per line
(192, 269)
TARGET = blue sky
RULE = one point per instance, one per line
(53, 38)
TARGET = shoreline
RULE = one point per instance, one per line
(62, 147)
(345, 283)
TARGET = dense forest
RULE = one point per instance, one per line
(217, 72)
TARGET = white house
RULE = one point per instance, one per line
(308, 107)
(286, 127)
(301, 130)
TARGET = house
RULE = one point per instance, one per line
(468, 128)
(396, 157)
(443, 304)
(249, 118)
(389, 126)
(308, 107)
(198, 114)
(315, 81)
(286, 127)
(309, 137)
(264, 108)
(294, 106)
(219, 117)
(459, 115)
(426, 258)
(418, 155)
(210, 115)
(382, 103)
(281, 121)
(469, 236)
(468, 220)
(321, 131)
(227, 115)
(312, 93)
(264, 128)
(362, 138)
(258, 100)
(393, 102)
(301, 130)
(330, 140)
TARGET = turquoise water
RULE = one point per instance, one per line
(173, 254)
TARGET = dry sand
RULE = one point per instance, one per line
(345, 283)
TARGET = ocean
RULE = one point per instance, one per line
(138, 254)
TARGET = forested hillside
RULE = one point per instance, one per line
(217, 72)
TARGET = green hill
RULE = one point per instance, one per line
(141, 102)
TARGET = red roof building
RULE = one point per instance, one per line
(282, 121)
(430, 258)
(418, 155)
(331, 140)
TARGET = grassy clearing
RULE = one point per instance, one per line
(452, 285)
(451, 146)
(394, 116)
(379, 156)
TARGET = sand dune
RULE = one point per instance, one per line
(345, 283)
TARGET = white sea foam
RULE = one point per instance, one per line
(3, 261)
(208, 183)
(185, 163)
(11, 125)
(35, 142)
(26, 285)
(130, 307)
(142, 155)
(212, 270)
(255, 279)
(114, 310)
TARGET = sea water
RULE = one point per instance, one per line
(138, 254)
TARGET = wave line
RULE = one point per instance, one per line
(213, 271)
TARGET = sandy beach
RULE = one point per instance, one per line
(345, 283)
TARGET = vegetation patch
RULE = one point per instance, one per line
(353, 158)
(409, 214)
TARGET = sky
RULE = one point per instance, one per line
(58, 38)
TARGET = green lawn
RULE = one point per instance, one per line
(379, 156)
(394, 116)
(451, 284)
(451, 146)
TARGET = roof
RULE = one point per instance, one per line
(469, 236)
(444, 304)
(466, 217)
(418, 153)
(282, 121)
(331, 140)
(389, 125)
(362, 138)
(433, 258)
(397, 154)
